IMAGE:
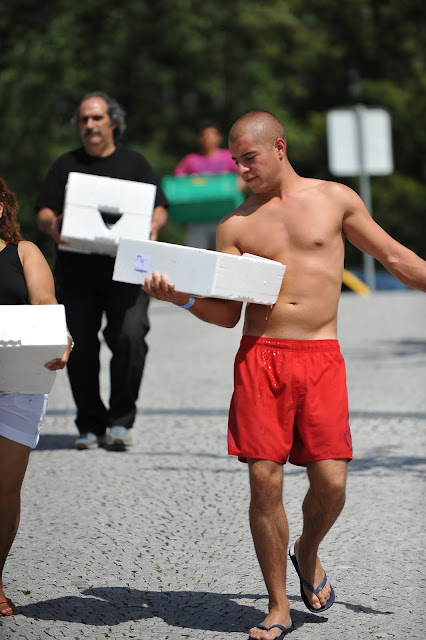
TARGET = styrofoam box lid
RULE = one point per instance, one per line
(201, 272)
(22, 369)
(85, 232)
(126, 196)
(33, 325)
(30, 336)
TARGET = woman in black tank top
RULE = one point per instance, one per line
(25, 278)
(13, 288)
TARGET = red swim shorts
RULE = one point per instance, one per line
(290, 401)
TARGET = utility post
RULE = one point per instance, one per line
(360, 144)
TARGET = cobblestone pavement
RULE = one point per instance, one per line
(154, 542)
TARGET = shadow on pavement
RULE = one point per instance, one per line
(386, 349)
(109, 606)
(53, 442)
(173, 411)
(382, 460)
(388, 415)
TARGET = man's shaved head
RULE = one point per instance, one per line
(263, 127)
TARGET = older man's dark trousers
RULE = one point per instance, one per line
(124, 307)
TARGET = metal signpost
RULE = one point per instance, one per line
(360, 144)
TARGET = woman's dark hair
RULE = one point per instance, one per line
(9, 225)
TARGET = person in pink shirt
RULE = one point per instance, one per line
(212, 160)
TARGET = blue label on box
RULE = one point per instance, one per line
(142, 263)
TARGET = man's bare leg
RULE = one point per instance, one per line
(269, 529)
(321, 507)
(13, 464)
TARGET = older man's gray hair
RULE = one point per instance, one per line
(115, 111)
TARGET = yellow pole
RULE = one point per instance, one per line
(355, 283)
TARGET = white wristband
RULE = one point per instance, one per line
(189, 304)
(72, 341)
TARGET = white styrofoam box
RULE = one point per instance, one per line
(201, 272)
(87, 197)
(30, 336)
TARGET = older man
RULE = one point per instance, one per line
(85, 286)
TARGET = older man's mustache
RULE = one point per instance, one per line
(89, 132)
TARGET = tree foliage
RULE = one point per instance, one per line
(175, 62)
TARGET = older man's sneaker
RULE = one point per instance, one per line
(118, 438)
(89, 440)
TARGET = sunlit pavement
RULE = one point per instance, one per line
(154, 542)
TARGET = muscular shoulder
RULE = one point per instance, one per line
(339, 194)
(234, 218)
(230, 226)
(328, 196)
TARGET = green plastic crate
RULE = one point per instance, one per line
(201, 198)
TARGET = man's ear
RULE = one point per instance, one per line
(1, 209)
(280, 146)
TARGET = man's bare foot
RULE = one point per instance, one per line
(275, 616)
(312, 572)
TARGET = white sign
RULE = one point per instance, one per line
(359, 142)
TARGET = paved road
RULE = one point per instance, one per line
(154, 542)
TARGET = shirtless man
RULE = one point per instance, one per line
(302, 223)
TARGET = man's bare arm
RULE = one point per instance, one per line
(159, 220)
(363, 232)
(49, 222)
(224, 313)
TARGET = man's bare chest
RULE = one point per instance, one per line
(289, 230)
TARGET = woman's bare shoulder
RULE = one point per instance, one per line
(27, 245)
(29, 250)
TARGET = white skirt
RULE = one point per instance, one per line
(21, 416)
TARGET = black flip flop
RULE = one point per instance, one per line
(305, 583)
